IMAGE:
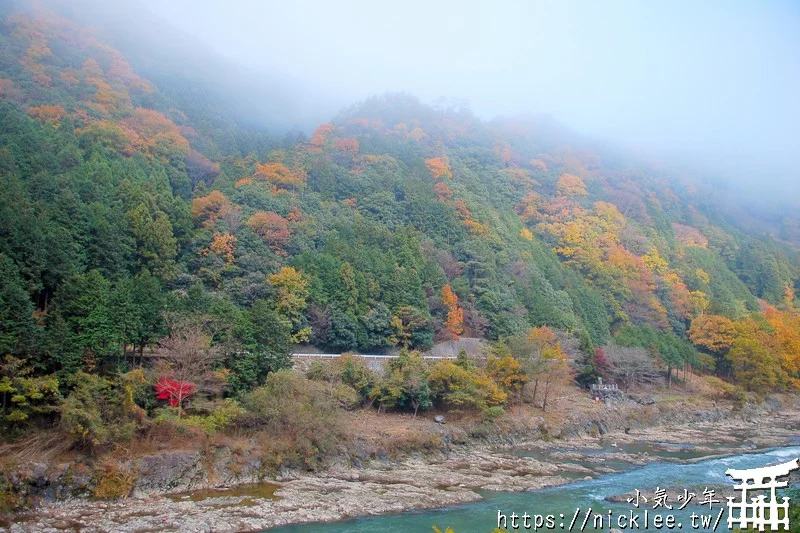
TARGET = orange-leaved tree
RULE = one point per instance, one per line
(279, 176)
(48, 113)
(454, 322)
(208, 209)
(443, 192)
(347, 145)
(224, 245)
(439, 167)
(321, 134)
(714, 333)
(271, 227)
(571, 185)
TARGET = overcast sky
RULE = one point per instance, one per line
(715, 79)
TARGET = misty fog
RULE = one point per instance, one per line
(711, 84)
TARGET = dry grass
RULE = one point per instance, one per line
(698, 384)
(160, 438)
(369, 424)
(51, 447)
(691, 387)
(46, 447)
(113, 482)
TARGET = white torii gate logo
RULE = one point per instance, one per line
(759, 512)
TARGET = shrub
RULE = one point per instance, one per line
(10, 500)
(794, 506)
(293, 407)
(98, 412)
(454, 387)
(346, 397)
(112, 483)
(728, 391)
(23, 396)
(220, 416)
(404, 385)
(507, 373)
(325, 370)
(356, 373)
(350, 370)
(491, 413)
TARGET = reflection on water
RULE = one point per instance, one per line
(481, 517)
(255, 490)
(640, 449)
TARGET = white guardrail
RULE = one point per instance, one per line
(367, 356)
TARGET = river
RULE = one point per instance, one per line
(482, 516)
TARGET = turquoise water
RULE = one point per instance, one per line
(481, 517)
(641, 449)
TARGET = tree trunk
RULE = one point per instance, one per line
(546, 390)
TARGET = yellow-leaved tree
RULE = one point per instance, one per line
(292, 287)
(542, 359)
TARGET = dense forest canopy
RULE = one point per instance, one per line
(135, 216)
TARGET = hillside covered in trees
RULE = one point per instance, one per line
(140, 220)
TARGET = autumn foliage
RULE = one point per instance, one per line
(454, 323)
(118, 239)
(538, 164)
(439, 167)
(713, 332)
(544, 340)
(8, 89)
(278, 175)
(271, 227)
(295, 215)
(520, 177)
(156, 135)
(224, 245)
(347, 145)
(443, 192)
(208, 209)
(689, 236)
(174, 392)
(507, 372)
(503, 153)
(48, 113)
(601, 362)
(321, 134)
(571, 185)
(292, 287)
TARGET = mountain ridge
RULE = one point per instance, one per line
(393, 226)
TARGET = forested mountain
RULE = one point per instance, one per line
(128, 210)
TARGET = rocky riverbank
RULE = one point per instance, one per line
(555, 454)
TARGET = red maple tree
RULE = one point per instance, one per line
(174, 391)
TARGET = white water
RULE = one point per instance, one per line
(481, 517)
